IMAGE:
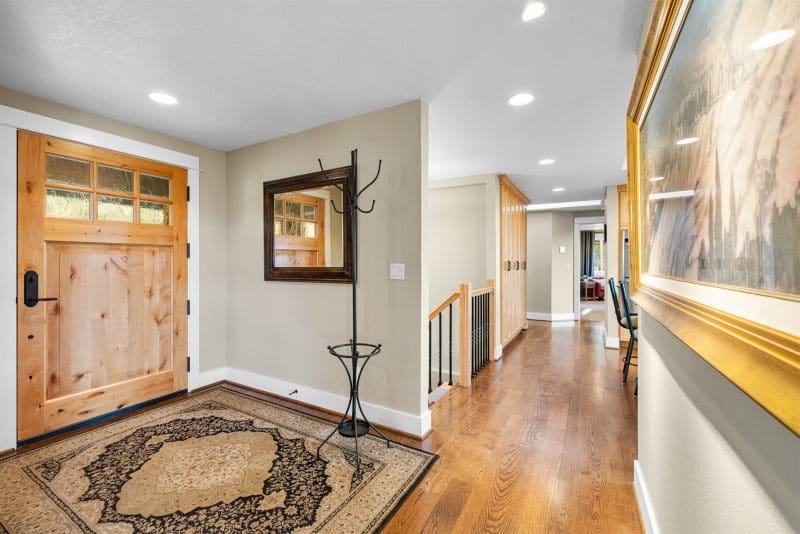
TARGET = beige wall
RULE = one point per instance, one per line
(612, 262)
(463, 231)
(561, 276)
(712, 460)
(212, 212)
(551, 275)
(281, 329)
(540, 264)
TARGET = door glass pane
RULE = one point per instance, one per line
(153, 213)
(309, 229)
(68, 204)
(278, 226)
(278, 206)
(114, 179)
(293, 210)
(293, 228)
(61, 170)
(154, 186)
(309, 212)
(114, 209)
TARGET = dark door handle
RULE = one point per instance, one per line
(32, 289)
(508, 265)
(524, 265)
(516, 267)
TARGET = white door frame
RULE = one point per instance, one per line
(576, 254)
(11, 120)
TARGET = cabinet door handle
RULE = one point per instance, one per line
(508, 265)
(516, 267)
(524, 265)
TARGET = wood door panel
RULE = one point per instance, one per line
(67, 410)
(112, 320)
(297, 258)
(117, 335)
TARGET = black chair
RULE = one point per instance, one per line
(629, 322)
(630, 319)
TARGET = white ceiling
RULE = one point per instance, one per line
(248, 71)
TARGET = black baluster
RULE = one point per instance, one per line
(430, 357)
(450, 346)
(485, 329)
(440, 348)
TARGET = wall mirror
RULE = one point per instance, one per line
(305, 237)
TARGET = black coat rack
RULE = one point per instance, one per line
(350, 425)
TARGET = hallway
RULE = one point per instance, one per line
(544, 441)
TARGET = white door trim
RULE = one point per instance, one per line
(11, 120)
(576, 257)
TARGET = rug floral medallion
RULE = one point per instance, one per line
(218, 461)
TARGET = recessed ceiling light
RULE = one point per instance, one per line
(687, 140)
(521, 99)
(546, 161)
(656, 178)
(559, 205)
(163, 98)
(558, 189)
(771, 39)
(533, 10)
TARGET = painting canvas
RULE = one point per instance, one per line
(720, 151)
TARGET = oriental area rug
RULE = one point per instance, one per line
(218, 461)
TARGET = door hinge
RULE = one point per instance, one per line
(188, 251)
(188, 364)
(188, 307)
(187, 193)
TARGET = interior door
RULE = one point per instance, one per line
(102, 282)
(506, 291)
(299, 231)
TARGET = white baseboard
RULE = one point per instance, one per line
(643, 499)
(206, 377)
(498, 352)
(438, 393)
(554, 317)
(612, 342)
(416, 425)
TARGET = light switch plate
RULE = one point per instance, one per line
(397, 271)
(562, 250)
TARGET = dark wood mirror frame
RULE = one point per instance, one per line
(342, 176)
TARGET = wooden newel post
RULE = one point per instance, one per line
(465, 333)
(490, 285)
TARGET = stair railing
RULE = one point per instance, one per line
(476, 327)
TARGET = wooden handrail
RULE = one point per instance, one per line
(481, 291)
(440, 308)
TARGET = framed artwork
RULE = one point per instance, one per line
(714, 188)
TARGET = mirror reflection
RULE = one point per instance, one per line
(308, 232)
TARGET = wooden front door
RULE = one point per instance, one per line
(104, 234)
(299, 231)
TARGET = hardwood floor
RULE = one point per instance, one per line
(543, 441)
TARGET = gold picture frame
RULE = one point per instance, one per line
(761, 357)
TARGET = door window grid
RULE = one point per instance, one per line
(94, 190)
(294, 218)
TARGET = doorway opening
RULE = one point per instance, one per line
(589, 272)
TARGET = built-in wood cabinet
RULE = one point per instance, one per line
(514, 260)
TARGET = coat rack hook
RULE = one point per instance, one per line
(333, 205)
(369, 210)
(324, 175)
(373, 180)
